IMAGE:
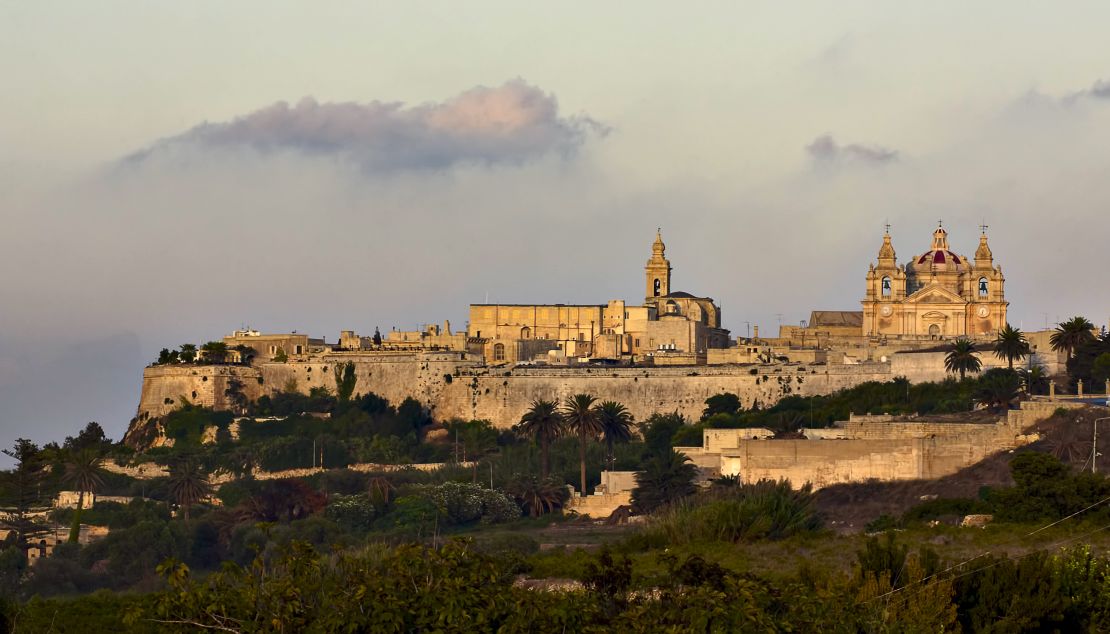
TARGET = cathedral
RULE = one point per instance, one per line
(668, 327)
(937, 294)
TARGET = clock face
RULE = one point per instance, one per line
(886, 311)
(984, 311)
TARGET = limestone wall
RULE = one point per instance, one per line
(452, 385)
(502, 397)
(870, 447)
(827, 462)
(166, 387)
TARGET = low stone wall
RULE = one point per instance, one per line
(598, 505)
(869, 447)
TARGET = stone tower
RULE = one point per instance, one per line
(658, 270)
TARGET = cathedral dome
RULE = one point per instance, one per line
(939, 258)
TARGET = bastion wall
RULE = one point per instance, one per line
(451, 385)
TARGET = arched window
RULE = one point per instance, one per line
(934, 331)
(658, 285)
(526, 333)
(672, 308)
(498, 352)
(984, 289)
(886, 286)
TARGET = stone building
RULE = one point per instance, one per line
(668, 323)
(938, 294)
(267, 346)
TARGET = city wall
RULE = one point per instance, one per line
(457, 385)
(453, 386)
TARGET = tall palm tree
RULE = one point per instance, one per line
(188, 484)
(1011, 344)
(616, 427)
(84, 473)
(544, 423)
(961, 358)
(1071, 334)
(582, 419)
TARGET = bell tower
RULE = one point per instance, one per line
(658, 269)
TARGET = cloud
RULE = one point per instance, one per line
(1098, 90)
(508, 124)
(825, 149)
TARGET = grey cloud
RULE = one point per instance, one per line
(511, 123)
(825, 149)
(1098, 90)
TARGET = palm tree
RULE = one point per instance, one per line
(666, 478)
(188, 353)
(538, 496)
(616, 427)
(1071, 334)
(1011, 344)
(998, 389)
(188, 484)
(83, 472)
(544, 423)
(962, 358)
(582, 419)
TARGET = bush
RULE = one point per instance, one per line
(353, 512)
(462, 503)
(764, 510)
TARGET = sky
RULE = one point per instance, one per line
(170, 172)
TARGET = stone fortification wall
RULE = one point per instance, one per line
(393, 375)
(453, 385)
(502, 397)
(166, 387)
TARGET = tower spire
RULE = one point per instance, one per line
(658, 269)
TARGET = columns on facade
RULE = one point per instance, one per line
(1052, 390)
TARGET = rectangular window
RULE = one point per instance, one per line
(637, 343)
(297, 349)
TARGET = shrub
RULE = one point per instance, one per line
(764, 510)
(354, 512)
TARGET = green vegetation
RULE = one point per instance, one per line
(961, 358)
(459, 548)
(1071, 335)
(1011, 345)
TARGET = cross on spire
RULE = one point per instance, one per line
(983, 227)
(887, 225)
(940, 223)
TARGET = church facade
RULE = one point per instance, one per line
(669, 324)
(935, 295)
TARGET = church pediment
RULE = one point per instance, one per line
(935, 294)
